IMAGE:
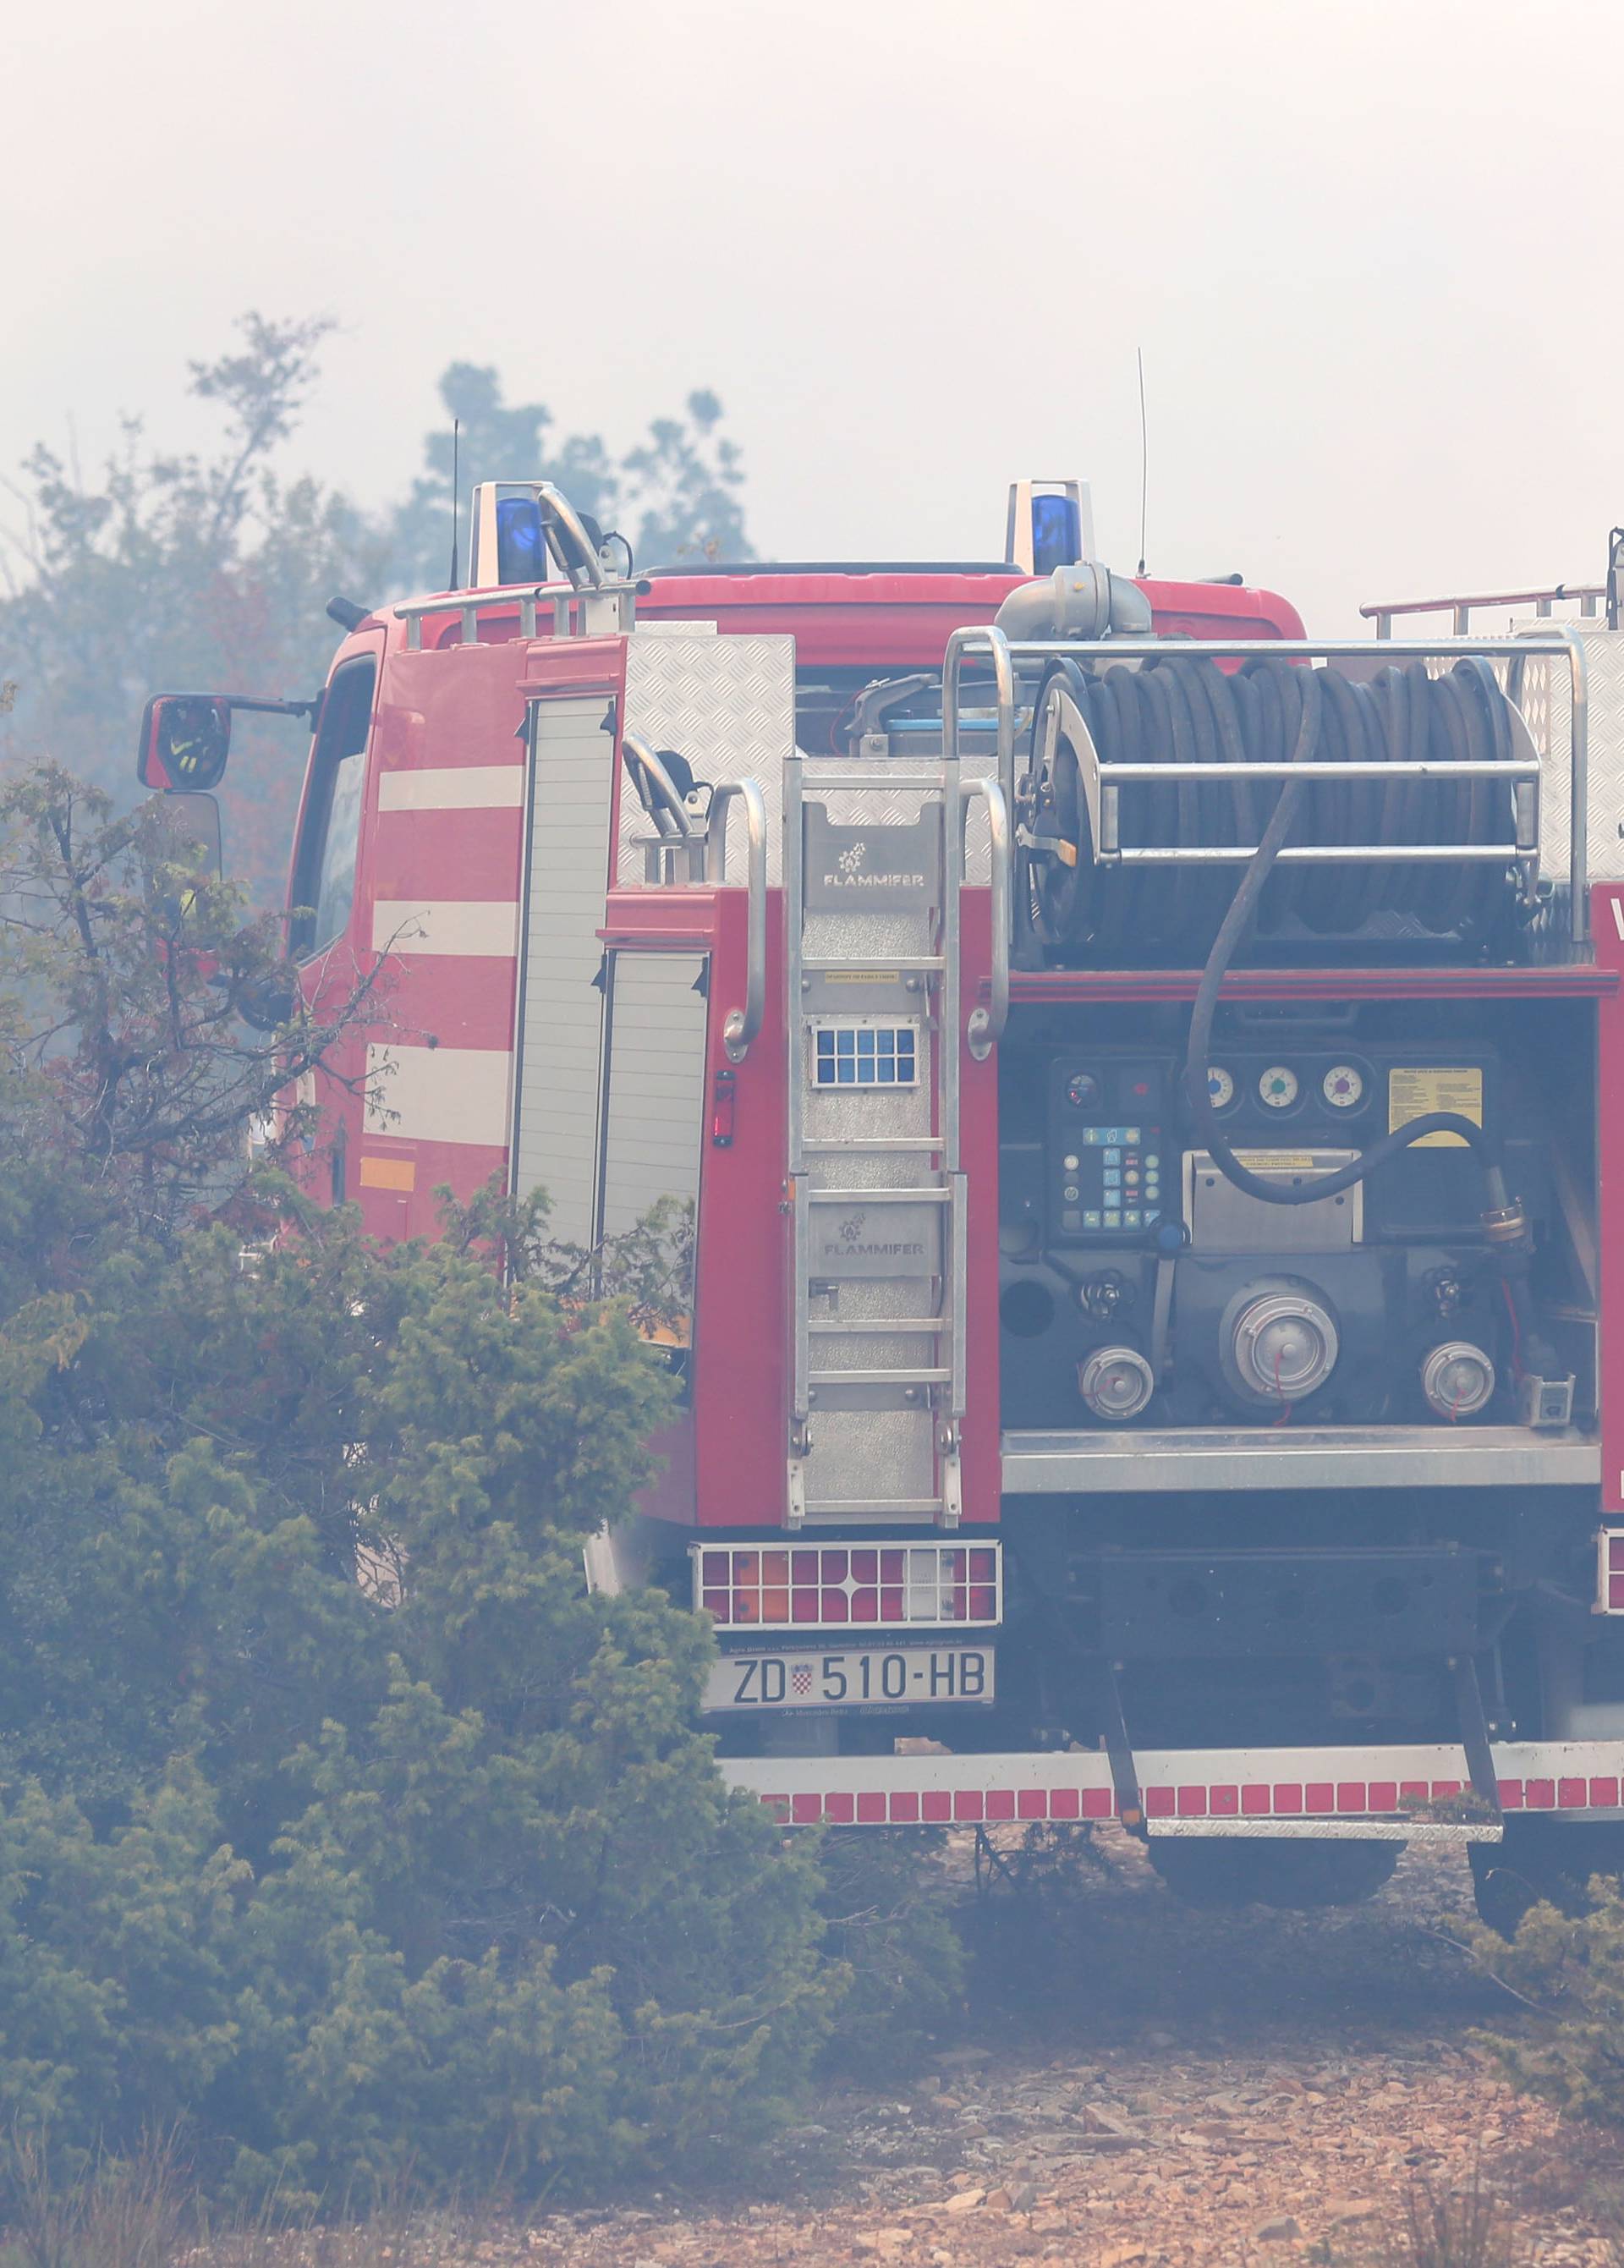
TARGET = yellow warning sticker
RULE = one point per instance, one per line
(861, 976)
(1413, 1091)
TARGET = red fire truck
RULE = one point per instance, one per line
(1147, 1087)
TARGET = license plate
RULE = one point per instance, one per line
(870, 1677)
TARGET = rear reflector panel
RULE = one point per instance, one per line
(843, 1587)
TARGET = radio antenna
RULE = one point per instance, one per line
(456, 580)
(1144, 460)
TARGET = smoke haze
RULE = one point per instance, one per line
(1369, 252)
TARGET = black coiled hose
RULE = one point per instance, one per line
(1175, 711)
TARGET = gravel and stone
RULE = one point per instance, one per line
(1138, 2082)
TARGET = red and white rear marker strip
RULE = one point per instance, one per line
(1584, 1777)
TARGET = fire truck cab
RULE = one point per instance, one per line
(1133, 1097)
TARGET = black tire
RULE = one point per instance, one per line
(1543, 1859)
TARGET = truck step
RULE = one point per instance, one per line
(837, 964)
(879, 1197)
(918, 1143)
(879, 1378)
(928, 785)
(874, 1507)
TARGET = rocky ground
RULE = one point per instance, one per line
(1140, 2082)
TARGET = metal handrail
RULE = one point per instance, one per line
(989, 639)
(642, 756)
(1005, 653)
(741, 1025)
(414, 612)
(1485, 768)
(985, 1028)
(1382, 614)
(1302, 649)
(562, 597)
(568, 518)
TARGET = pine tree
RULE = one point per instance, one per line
(337, 1820)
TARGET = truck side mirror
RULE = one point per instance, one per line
(269, 1000)
(186, 738)
(196, 819)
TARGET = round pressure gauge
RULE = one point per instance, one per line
(1343, 1087)
(1083, 1090)
(1220, 1086)
(1277, 1087)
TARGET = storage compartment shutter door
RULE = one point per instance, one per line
(655, 1086)
(559, 1074)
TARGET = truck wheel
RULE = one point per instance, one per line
(1543, 1859)
(1244, 1870)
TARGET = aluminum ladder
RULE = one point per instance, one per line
(875, 1189)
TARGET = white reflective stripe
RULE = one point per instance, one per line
(438, 1094)
(1618, 916)
(459, 926)
(460, 787)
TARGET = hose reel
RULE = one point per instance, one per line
(1182, 711)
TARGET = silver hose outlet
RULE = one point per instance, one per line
(1116, 1382)
(1458, 1379)
(1083, 601)
(1283, 1343)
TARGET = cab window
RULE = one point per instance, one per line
(324, 872)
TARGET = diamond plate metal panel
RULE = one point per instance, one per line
(728, 704)
(1546, 704)
(864, 1460)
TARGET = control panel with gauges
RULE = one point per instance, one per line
(1140, 1281)
(1284, 1087)
(1116, 1150)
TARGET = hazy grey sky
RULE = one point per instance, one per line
(1370, 251)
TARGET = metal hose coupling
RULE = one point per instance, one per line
(1505, 1224)
(1503, 1217)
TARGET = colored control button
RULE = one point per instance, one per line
(1071, 1193)
(1113, 1220)
(1090, 1220)
(1131, 1220)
